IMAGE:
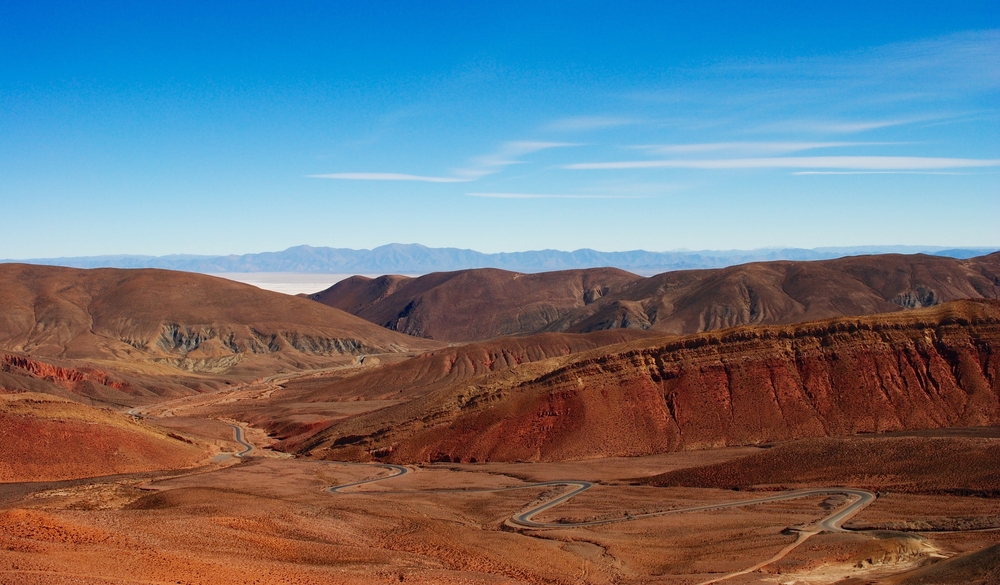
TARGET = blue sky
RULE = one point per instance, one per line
(233, 127)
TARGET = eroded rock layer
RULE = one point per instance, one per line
(181, 320)
(929, 368)
(482, 304)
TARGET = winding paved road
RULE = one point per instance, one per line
(238, 434)
(398, 469)
(858, 499)
(832, 523)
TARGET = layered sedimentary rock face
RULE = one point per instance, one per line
(185, 320)
(929, 368)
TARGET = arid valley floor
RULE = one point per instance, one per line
(163, 427)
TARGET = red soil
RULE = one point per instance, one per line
(924, 369)
(47, 439)
(935, 465)
(411, 379)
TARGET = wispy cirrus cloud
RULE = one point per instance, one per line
(551, 196)
(587, 123)
(857, 91)
(480, 166)
(818, 126)
(957, 64)
(870, 163)
(389, 177)
(508, 154)
(748, 147)
(800, 173)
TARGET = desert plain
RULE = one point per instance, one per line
(781, 423)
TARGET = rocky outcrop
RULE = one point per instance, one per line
(783, 292)
(69, 378)
(185, 340)
(929, 368)
(482, 304)
(416, 377)
(196, 321)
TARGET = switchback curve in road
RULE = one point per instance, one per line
(398, 469)
(831, 523)
(238, 435)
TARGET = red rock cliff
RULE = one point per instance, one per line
(924, 369)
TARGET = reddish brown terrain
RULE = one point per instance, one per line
(915, 463)
(43, 438)
(931, 368)
(772, 293)
(121, 393)
(197, 323)
(471, 305)
(120, 384)
(308, 404)
(480, 304)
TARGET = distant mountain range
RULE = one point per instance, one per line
(417, 259)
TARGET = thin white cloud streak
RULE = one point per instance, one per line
(481, 166)
(551, 196)
(750, 147)
(526, 146)
(845, 127)
(872, 163)
(954, 64)
(799, 173)
(868, 90)
(505, 156)
(586, 123)
(389, 177)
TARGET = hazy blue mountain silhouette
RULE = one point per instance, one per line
(418, 259)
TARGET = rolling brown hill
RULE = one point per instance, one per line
(472, 305)
(479, 304)
(954, 465)
(429, 371)
(304, 405)
(176, 319)
(783, 292)
(44, 438)
(109, 386)
(928, 368)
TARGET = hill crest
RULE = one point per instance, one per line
(927, 368)
(482, 304)
(185, 320)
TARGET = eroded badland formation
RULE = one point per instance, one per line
(834, 421)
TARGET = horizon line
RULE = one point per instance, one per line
(916, 248)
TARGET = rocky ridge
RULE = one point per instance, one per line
(927, 368)
(183, 320)
(481, 304)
